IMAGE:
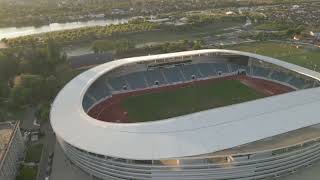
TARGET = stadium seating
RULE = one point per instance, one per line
(308, 85)
(153, 76)
(279, 76)
(99, 89)
(261, 72)
(236, 67)
(172, 75)
(206, 69)
(297, 82)
(117, 83)
(220, 67)
(87, 102)
(189, 71)
(136, 80)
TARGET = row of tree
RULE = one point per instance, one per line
(82, 34)
(117, 46)
(29, 76)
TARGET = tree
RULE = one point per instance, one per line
(4, 90)
(8, 67)
(197, 45)
(53, 51)
(43, 113)
(50, 87)
(28, 85)
(20, 96)
(4, 40)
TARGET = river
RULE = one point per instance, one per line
(12, 32)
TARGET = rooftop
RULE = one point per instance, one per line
(6, 132)
(276, 142)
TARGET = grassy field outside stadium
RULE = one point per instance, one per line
(182, 101)
(305, 56)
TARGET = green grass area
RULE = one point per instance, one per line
(27, 173)
(190, 34)
(34, 153)
(10, 114)
(303, 56)
(161, 36)
(172, 103)
(272, 26)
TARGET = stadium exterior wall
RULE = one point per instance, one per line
(253, 165)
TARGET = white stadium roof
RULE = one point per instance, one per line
(189, 135)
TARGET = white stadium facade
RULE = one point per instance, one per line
(264, 138)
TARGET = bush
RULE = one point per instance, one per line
(27, 173)
(34, 153)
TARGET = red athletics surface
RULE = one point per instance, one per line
(110, 110)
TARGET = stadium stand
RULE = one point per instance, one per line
(190, 71)
(141, 78)
(87, 102)
(153, 76)
(99, 89)
(234, 67)
(297, 82)
(237, 67)
(279, 76)
(118, 83)
(220, 67)
(172, 75)
(260, 72)
(136, 80)
(206, 70)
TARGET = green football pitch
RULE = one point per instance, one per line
(182, 101)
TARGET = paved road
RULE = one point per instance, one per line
(28, 118)
(48, 147)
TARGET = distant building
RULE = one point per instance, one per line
(11, 150)
(230, 13)
(316, 37)
(163, 20)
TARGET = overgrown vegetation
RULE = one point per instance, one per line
(31, 76)
(34, 153)
(27, 173)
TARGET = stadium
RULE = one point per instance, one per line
(203, 114)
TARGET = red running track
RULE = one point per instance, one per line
(110, 110)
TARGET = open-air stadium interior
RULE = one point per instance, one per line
(264, 138)
(155, 74)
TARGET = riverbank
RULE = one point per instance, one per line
(13, 32)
